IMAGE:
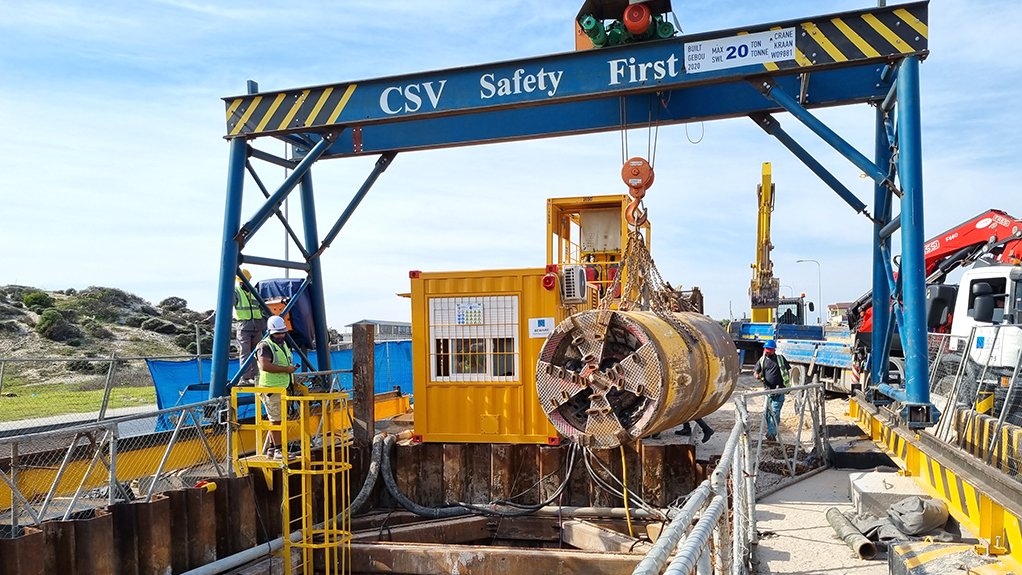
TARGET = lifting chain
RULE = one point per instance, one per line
(643, 288)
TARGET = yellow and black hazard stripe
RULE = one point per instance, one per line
(855, 37)
(978, 431)
(290, 110)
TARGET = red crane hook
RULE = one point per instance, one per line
(637, 174)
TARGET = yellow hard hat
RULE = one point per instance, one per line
(246, 273)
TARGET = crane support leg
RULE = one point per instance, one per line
(881, 249)
(230, 251)
(917, 411)
(315, 275)
(274, 201)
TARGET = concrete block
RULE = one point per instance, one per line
(872, 492)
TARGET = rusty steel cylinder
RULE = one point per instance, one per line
(608, 377)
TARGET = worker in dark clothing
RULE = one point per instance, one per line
(772, 370)
(249, 326)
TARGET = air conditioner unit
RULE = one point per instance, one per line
(573, 285)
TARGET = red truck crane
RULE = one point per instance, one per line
(992, 235)
(992, 238)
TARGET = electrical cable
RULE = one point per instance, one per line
(600, 482)
(624, 484)
(510, 500)
(526, 510)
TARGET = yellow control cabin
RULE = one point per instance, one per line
(476, 335)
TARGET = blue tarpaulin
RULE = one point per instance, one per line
(179, 383)
(302, 330)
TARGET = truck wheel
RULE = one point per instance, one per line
(797, 375)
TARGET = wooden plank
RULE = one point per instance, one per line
(481, 560)
(179, 546)
(601, 497)
(154, 536)
(592, 537)
(431, 475)
(385, 518)
(653, 475)
(363, 336)
(454, 473)
(500, 471)
(679, 471)
(442, 531)
(579, 494)
(551, 470)
(201, 527)
(525, 481)
(478, 465)
(406, 469)
(529, 529)
(633, 460)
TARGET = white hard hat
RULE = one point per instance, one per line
(276, 324)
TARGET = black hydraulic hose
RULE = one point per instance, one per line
(461, 509)
(854, 538)
(374, 474)
(428, 512)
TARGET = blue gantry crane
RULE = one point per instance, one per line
(868, 57)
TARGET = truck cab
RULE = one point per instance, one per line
(789, 323)
(987, 296)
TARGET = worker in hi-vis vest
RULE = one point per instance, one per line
(772, 370)
(275, 369)
(249, 325)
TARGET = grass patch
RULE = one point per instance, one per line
(48, 400)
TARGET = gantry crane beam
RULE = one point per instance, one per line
(850, 39)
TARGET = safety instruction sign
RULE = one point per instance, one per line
(469, 314)
(744, 50)
(541, 326)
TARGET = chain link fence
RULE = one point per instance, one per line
(714, 529)
(73, 390)
(975, 381)
(791, 445)
(57, 473)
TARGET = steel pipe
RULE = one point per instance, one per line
(608, 377)
(854, 538)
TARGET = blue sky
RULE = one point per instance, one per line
(113, 163)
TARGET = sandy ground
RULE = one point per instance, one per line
(795, 536)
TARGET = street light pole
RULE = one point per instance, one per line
(791, 290)
(819, 287)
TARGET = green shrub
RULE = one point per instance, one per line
(173, 303)
(37, 300)
(159, 326)
(53, 326)
(134, 320)
(95, 329)
(105, 304)
(83, 366)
